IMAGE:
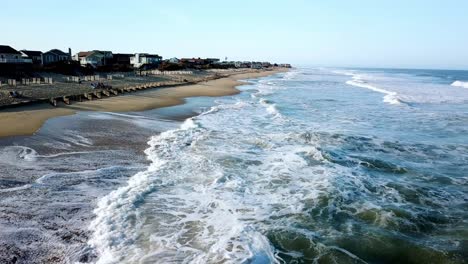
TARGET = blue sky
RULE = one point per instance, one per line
(397, 33)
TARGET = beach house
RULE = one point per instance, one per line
(55, 55)
(121, 58)
(11, 56)
(198, 62)
(144, 59)
(211, 60)
(256, 65)
(173, 60)
(34, 55)
(95, 58)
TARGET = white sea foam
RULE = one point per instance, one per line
(228, 179)
(460, 84)
(110, 227)
(290, 74)
(270, 108)
(17, 155)
(195, 196)
(358, 81)
(390, 97)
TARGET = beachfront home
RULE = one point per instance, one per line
(11, 56)
(173, 60)
(242, 64)
(95, 58)
(121, 58)
(144, 59)
(212, 60)
(55, 55)
(198, 62)
(34, 55)
(256, 65)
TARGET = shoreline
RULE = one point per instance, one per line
(26, 120)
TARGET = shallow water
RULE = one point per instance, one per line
(313, 165)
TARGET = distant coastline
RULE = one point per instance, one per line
(26, 120)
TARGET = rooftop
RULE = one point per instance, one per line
(58, 52)
(33, 53)
(8, 49)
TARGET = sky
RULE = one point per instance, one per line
(332, 33)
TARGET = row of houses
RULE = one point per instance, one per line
(95, 58)
(12, 56)
(100, 58)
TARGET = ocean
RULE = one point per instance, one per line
(314, 165)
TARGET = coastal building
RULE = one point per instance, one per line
(144, 59)
(173, 60)
(256, 65)
(12, 56)
(55, 55)
(95, 58)
(190, 62)
(34, 55)
(242, 64)
(211, 60)
(198, 62)
(121, 58)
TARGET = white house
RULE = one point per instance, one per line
(94, 58)
(173, 60)
(140, 59)
(10, 55)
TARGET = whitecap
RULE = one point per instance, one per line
(390, 97)
(460, 84)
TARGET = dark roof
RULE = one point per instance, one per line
(8, 49)
(84, 53)
(122, 55)
(153, 56)
(57, 52)
(148, 55)
(32, 53)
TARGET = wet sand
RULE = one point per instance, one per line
(27, 120)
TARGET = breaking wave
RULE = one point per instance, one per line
(460, 84)
(390, 97)
(238, 184)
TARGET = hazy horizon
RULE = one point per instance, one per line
(384, 34)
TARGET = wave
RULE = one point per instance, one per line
(270, 108)
(390, 97)
(357, 80)
(178, 211)
(460, 84)
(290, 75)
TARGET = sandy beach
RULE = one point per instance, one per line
(27, 120)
